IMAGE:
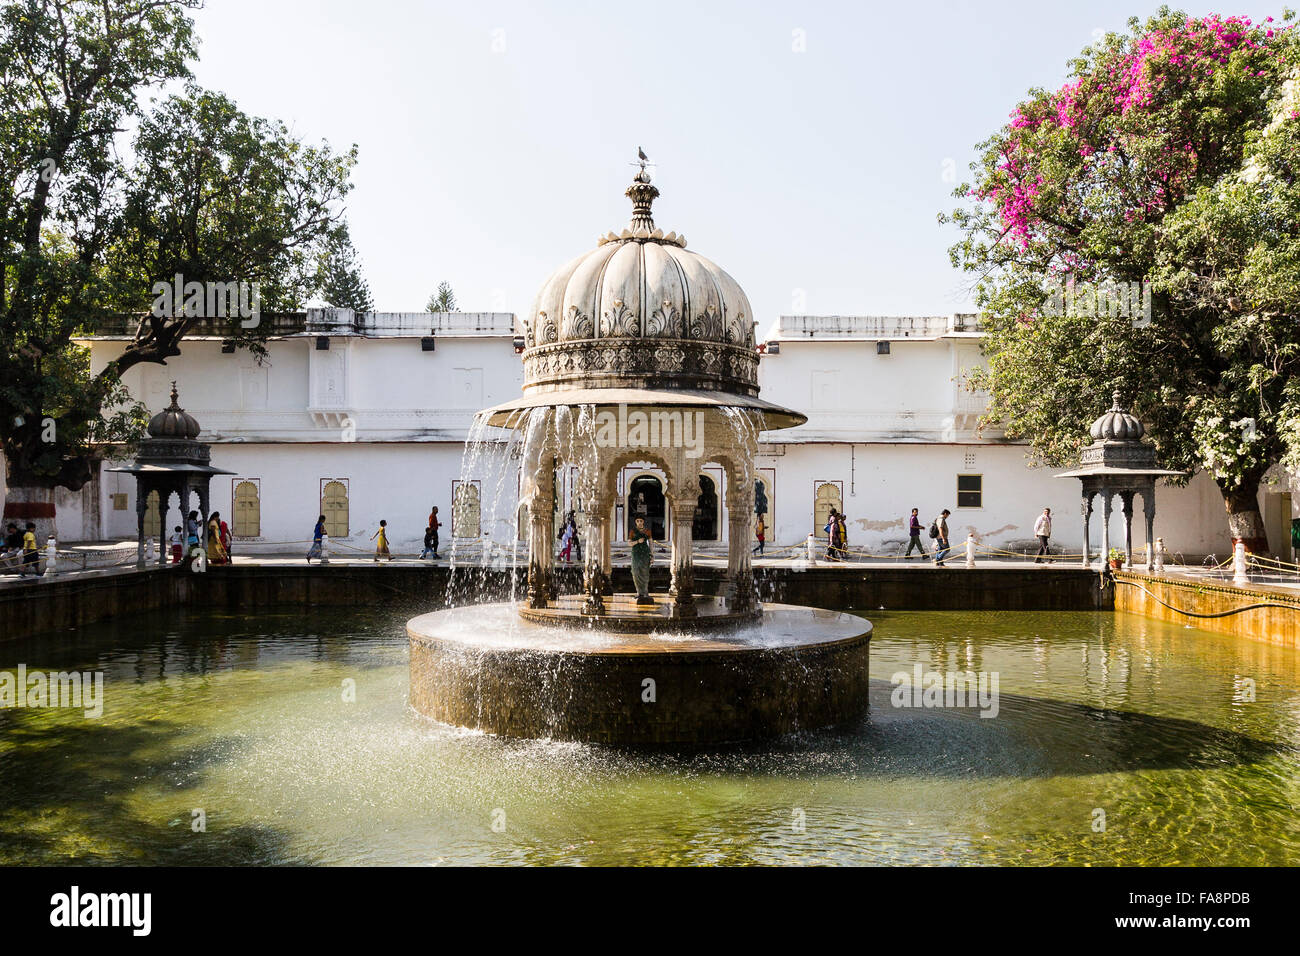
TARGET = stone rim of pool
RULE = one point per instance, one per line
(797, 669)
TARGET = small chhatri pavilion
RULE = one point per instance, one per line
(1119, 462)
(640, 329)
(170, 461)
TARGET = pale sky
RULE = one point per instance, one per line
(495, 137)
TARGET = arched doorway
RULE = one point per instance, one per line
(645, 499)
(248, 511)
(705, 525)
(334, 506)
(466, 510)
(827, 496)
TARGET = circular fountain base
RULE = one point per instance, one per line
(797, 668)
(623, 613)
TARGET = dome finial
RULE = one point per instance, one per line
(642, 194)
(175, 397)
(1115, 405)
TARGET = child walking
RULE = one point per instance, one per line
(381, 546)
(177, 542)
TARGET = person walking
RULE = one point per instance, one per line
(641, 542)
(226, 540)
(31, 555)
(1043, 531)
(914, 536)
(192, 530)
(760, 532)
(435, 524)
(216, 552)
(939, 531)
(430, 540)
(829, 528)
(317, 548)
(566, 541)
(380, 538)
(177, 542)
(577, 540)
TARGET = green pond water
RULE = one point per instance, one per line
(244, 718)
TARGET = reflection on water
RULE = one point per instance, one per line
(246, 720)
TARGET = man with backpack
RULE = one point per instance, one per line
(939, 531)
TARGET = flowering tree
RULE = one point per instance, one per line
(1139, 229)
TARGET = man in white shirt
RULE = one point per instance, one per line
(1043, 529)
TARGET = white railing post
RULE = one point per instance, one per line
(812, 548)
(970, 550)
(51, 554)
(1239, 576)
(149, 556)
(324, 548)
(1160, 555)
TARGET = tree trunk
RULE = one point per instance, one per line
(1245, 523)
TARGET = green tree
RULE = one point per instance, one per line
(339, 278)
(1134, 231)
(206, 193)
(444, 300)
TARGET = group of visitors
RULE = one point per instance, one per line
(19, 549)
(938, 533)
(380, 537)
(837, 536)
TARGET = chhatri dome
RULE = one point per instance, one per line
(642, 318)
(174, 422)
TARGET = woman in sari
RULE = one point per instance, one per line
(216, 550)
(641, 543)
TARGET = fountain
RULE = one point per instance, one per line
(639, 352)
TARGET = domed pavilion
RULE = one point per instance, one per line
(170, 461)
(1119, 463)
(640, 351)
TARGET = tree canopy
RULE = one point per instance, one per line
(1136, 230)
(93, 223)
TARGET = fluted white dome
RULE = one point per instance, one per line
(641, 310)
(641, 287)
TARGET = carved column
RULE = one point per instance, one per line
(141, 506)
(1149, 510)
(1105, 528)
(164, 499)
(687, 491)
(740, 528)
(541, 549)
(1126, 505)
(1087, 523)
(595, 582)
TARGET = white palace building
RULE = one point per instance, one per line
(365, 417)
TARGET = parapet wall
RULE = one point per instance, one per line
(49, 605)
(1258, 612)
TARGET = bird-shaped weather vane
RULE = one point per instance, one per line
(643, 161)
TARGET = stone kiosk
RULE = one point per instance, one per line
(170, 461)
(1119, 463)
